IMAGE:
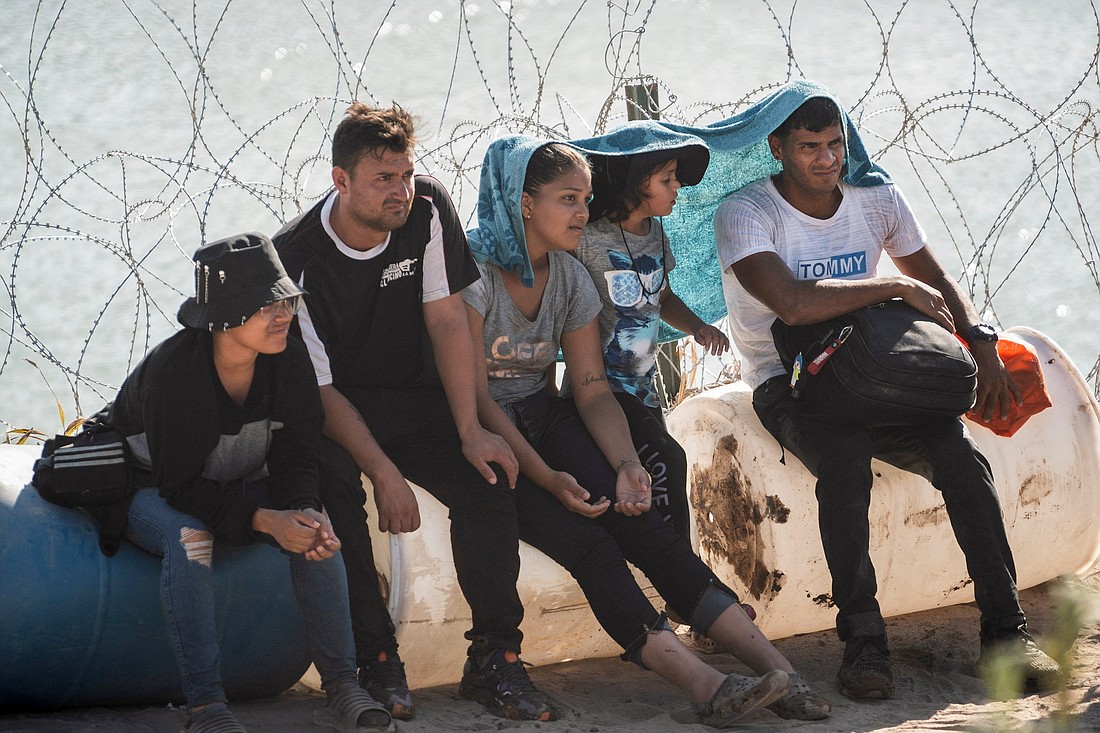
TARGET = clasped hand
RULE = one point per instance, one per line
(305, 531)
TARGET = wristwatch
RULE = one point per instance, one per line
(982, 332)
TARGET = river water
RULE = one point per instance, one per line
(133, 130)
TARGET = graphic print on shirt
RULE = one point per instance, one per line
(842, 265)
(398, 270)
(506, 359)
(633, 287)
(241, 456)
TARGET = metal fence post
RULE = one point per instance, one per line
(642, 103)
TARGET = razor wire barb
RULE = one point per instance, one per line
(93, 243)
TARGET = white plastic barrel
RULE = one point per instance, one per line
(755, 519)
(431, 615)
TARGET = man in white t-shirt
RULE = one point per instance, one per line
(804, 246)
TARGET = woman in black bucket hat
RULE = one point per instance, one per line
(223, 420)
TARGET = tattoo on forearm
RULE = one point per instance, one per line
(590, 378)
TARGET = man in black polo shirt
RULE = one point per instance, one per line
(383, 258)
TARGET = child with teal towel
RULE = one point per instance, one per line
(627, 253)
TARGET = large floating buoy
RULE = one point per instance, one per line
(755, 519)
(78, 628)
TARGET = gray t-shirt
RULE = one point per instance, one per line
(629, 272)
(518, 351)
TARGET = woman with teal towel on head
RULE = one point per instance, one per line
(584, 497)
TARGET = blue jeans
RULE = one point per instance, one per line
(187, 599)
(941, 451)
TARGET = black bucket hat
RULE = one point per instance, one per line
(234, 278)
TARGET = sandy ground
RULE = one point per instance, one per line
(933, 655)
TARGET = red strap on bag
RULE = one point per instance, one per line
(1022, 364)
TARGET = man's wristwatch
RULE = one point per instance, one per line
(982, 332)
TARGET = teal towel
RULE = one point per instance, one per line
(498, 237)
(739, 154)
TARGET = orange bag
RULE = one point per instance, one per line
(1022, 364)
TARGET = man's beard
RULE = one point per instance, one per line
(383, 221)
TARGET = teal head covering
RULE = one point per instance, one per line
(498, 237)
(739, 154)
(620, 157)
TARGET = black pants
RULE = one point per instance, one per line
(417, 432)
(663, 457)
(941, 451)
(596, 551)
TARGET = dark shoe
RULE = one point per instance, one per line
(500, 683)
(865, 669)
(351, 710)
(213, 718)
(385, 681)
(801, 702)
(738, 696)
(1015, 653)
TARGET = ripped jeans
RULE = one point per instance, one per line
(187, 599)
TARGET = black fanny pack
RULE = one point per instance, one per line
(886, 364)
(89, 471)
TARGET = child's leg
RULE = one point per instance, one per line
(735, 633)
(666, 655)
(717, 699)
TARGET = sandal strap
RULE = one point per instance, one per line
(349, 702)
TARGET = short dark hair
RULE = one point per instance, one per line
(814, 115)
(639, 167)
(549, 162)
(371, 129)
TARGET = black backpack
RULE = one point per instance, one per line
(886, 364)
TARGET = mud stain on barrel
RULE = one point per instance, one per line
(776, 510)
(935, 515)
(958, 587)
(1034, 489)
(730, 520)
